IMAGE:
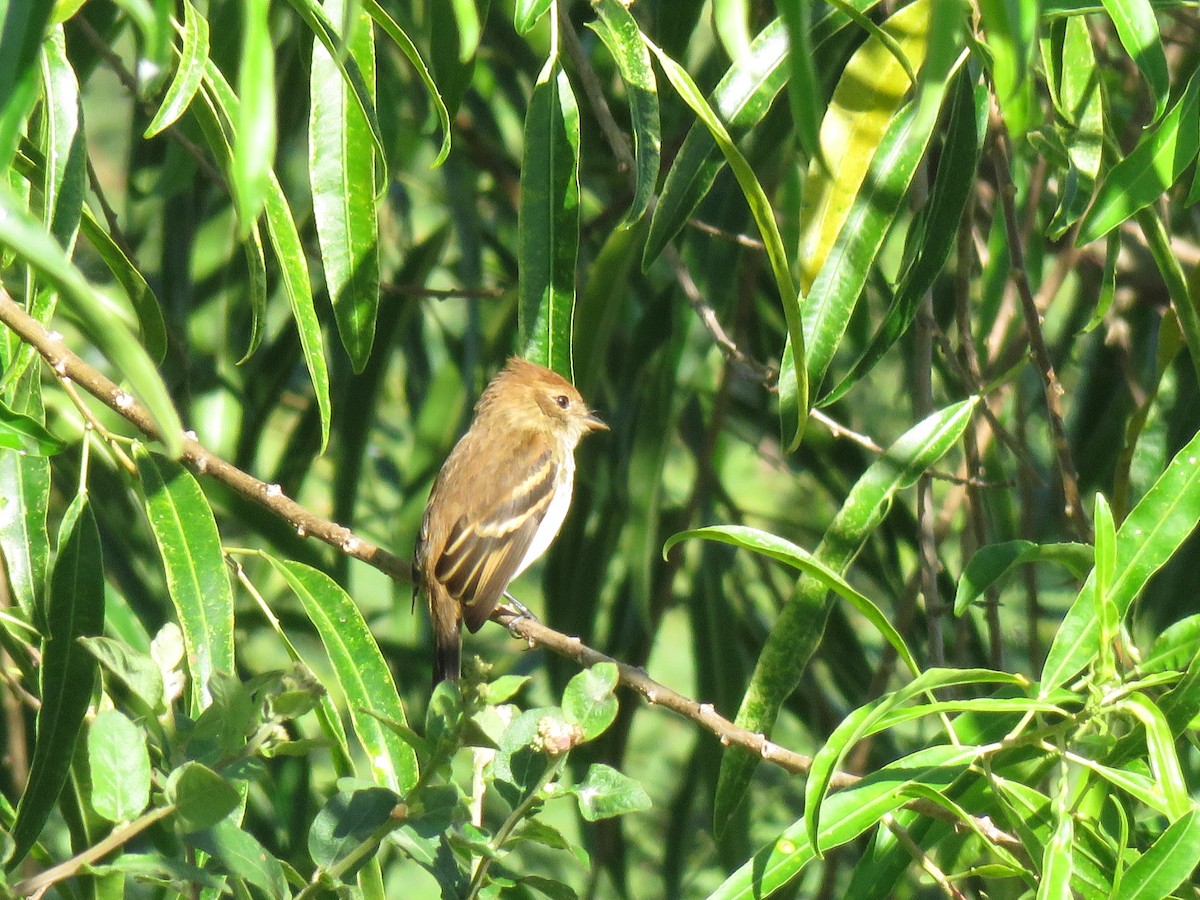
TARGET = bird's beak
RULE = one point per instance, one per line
(593, 423)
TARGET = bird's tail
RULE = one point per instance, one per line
(446, 615)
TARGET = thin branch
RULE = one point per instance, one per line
(117, 838)
(64, 363)
(1033, 322)
(419, 290)
(742, 240)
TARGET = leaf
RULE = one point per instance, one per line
(741, 99)
(1010, 30)
(197, 579)
(341, 167)
(409, 49)
(1082, 100)
(241, 855)
(33, 245)
(797, 632)
(136, 671)
(189, 73)
(621, 35)
(1161, 752)
(26, 435)
(605, 793)
(22, 28)
(868, 96)
(360, 669)
(805, 93)
(527, 13)
(119, 767)
(201, 797)
(1148, 537)
(24, 541)
(786, 552)
(254, 134)
(843, 275)
(1168, 862)
(846, 815)
(74, 609)
(933, 237)
(347, 821)
(792, 379)
(1057, 859)
(548, 242)
(1156, 163)
(992, 563)
(1137, 29)
(588, 700)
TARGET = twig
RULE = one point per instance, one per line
(742, 240)
(65, 363)
(39, 882)
(419, 290)
(1050, 383)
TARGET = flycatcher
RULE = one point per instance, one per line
(498, 502)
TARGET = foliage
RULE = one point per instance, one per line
(891, 309)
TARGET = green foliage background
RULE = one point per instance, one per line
(891, 309)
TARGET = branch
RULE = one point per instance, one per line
(66, 365)
(1033, 322)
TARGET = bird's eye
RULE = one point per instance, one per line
(563, 401)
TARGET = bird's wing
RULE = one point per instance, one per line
(483, 551)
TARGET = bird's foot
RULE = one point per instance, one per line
(517, 609)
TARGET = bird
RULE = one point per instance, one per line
(498, 502)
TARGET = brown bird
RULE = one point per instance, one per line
(498, 502)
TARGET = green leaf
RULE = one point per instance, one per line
(1156, 163)
(527, 14)
(254, 134)
(201, 797)
(1168, 862)
(621, 35)
(992, 563)
(241, 855)
(27, 435)
(360, 669)
(605, 793)
(197, 579)
(786, 552)
(805, 93)
(588, 700)
(119, 767)
(136, 671)
(875, 717)
(867, 98)
(22, 28)
(409, 49)
(741, 99)
(1082, 100)
(845, 816)
(346, 822)
(33, 245)
(792, 378)
(65, 178)
(74, 609)
(933, 236)
(548, 242)
(1137, 29)
(843, 275)
(24, 540)
(341, 167)
(1148, 537)
(189, 73)
(1010, 30)
(1161, 752)
(355, 64)
(798, 630)
(1057, 859)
